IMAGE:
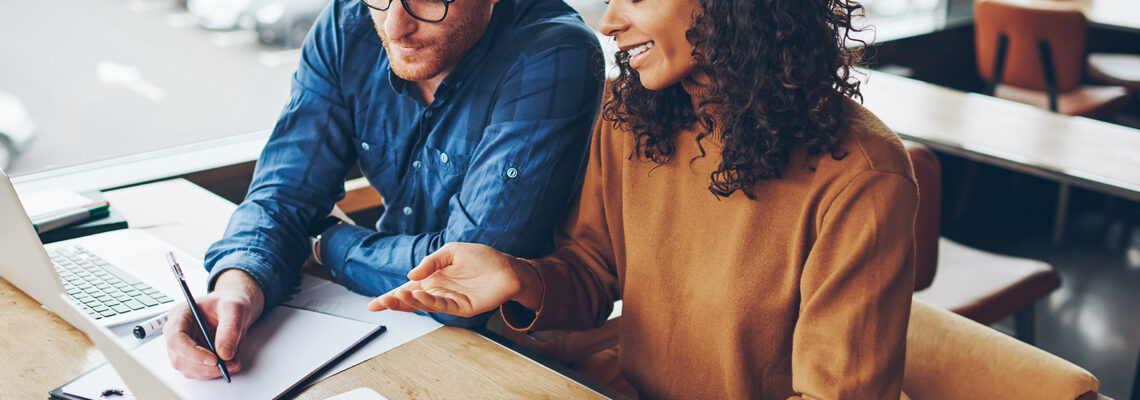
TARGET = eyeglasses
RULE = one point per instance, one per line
(431, 11)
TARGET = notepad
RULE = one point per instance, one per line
(279, 352)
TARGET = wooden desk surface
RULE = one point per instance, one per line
(1081, 151)
(41, 351)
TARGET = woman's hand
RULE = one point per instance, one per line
(464, 279)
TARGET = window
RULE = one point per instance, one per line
(87, 81)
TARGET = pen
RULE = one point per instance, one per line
(196, 312)
(150, 327)
(53, 221)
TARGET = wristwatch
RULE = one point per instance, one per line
(318, 230)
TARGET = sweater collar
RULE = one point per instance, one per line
(698, 91)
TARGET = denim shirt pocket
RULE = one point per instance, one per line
(448, 167)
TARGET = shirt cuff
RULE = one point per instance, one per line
(273, 283)
(336, 243)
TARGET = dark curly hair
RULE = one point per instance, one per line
(779, 73)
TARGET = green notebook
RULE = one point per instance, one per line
(113, 221)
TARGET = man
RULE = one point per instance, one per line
(470, 117)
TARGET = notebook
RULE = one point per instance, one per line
(279, 352)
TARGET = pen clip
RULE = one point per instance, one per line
(174, 264)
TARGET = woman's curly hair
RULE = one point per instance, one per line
(779, 73)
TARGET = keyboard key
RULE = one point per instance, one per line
(163, 299)
(108, 313)
(134, 305)
(120, 308)
(100, 308)
(147, 301)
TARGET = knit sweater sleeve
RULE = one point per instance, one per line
(849, 341)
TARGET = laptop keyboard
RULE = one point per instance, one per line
(101, 289)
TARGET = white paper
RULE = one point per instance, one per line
(51, 200)
(278, 352)
(359, 394)
(331, 298)
(93, 383)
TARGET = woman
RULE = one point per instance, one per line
(756, 221)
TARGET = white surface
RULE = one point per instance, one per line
(328, 297)
(281, 350)
(50, 200)
(359, 394)
(92, 384)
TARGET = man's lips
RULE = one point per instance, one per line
(406, 50)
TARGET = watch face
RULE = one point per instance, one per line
(323, 225)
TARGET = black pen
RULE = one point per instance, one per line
(196, 312)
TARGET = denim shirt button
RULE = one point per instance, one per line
(443, 158)
(364, 145)
(512, 173)
(416, 164)
(427, 114)
(407, 211)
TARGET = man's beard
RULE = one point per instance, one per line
(436, 56)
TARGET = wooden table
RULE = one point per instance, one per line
(41, 351)
(1083, 152)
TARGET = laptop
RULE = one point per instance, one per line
(142, 382)
(113, 277)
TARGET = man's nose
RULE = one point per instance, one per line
(398, 23)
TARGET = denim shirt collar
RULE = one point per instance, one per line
(500, 18)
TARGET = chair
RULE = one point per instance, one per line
(951, 357)
(1037, 56)
(947, 357)
(979, 285)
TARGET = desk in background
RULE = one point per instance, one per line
(1083, 152)
(41, 351)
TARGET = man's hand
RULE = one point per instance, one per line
(464, 279)
(232, 307)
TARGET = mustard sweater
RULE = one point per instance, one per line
(803, 292)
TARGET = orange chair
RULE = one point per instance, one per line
(979, 285)
(1038, 56)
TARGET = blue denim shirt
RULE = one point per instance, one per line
(494, 159)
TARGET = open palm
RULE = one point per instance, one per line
(460, 278)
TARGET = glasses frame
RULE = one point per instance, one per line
(446, 8)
